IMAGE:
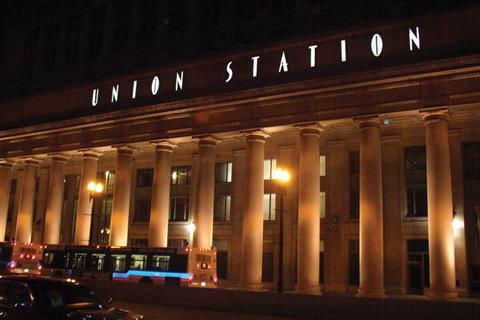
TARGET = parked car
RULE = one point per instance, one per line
(42, 298)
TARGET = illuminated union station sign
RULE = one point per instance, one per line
(312, 53)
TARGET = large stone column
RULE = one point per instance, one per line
(27, 201)
(371, 210)
(84, 208)
(53, 214)
(5, 181)
(308, 243)
(252, 228)
(203, 215)
(440, 209)
(121, 197)
(43, 176)
(238, 201)
(159, 213)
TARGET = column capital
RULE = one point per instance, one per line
(124, 149)
(367, 121)
(30, 161)
(310, 128)
(90, 153)
(434, 115)
(60, 157)
(164, 145)
(256, 135)
(6, 163)
(207, 140)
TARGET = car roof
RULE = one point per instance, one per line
(28, 279)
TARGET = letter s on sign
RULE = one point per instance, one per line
(229, 71)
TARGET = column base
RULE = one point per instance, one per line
(314, 290)
(442, 295)
(252, 287)
(371, 293)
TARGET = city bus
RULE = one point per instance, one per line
(170, 266)
(21, 257)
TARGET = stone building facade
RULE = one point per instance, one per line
(378, 126)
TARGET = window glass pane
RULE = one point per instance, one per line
(322, 166)
(180, 175)
(266, 206)
(179, 209)
(138, 261)
(227, 209)
(229, 172)
(415, 181)
(144, 178)
(353, 262)
(142, 210)
(219, 208)
(266, 169)
(322, 205)
(273, 197)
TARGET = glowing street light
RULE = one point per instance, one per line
(94, 188)
(281, 175)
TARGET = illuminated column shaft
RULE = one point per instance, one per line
(56, 186)
(371, 211)
(203, 218)
(308, 244)
(252, 228)
(5, 181)
(27, 199)
(84, 208)
(121, 198)
(161, 195)
(440, 209)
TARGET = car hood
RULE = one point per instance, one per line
(104, 314)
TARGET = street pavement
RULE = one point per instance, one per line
(154, 312)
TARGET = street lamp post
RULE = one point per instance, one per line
(95, 189)
(281, 177)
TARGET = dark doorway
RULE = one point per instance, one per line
(417, 266)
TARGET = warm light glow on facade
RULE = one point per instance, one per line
(281, 175)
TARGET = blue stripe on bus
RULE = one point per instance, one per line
(6, 263)
(144, 273)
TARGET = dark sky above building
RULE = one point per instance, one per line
(54, 43)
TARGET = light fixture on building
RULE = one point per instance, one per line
(191, 227)
(457, 223)
(174, 175)
(94, 188)
(281, 175)
(387, 121)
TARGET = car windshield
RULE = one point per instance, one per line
(61, 295)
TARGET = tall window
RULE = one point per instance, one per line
(221, 208)
(222, 258)
(269, 206)
(179, 209)
(269, 167)
(267, 262)
(322, 261)
(323, 173)
(142, 210)
(180, 175)
(353, 262)
(143, 193)
(144, 178)
(106, 205)
(416, 181)
(223, 172)
(354, 183)
(11, 199)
